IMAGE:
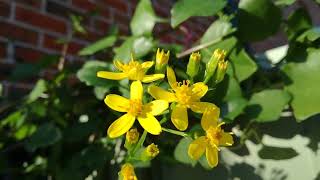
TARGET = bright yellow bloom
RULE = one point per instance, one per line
(134, 108)
(162, 57)
(127, 172)
(133, 71)
(215, 137)
(132, 136)
(185, 95)
(152, 150)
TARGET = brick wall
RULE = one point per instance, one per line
(30, 28)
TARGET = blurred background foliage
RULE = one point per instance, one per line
(269, 100)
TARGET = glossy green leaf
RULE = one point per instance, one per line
(183, 9)
(143, 19)
(101, 44)
(243, 65)
(46, 135)
(267, 105)
(277, 153)
(139, 46)
(88, 74)
(38, 90)
(217, 30)
(303, 85)
(181, 152)
(257, 19)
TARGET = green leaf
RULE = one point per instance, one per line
(183, 9)
(243, 64)
(284, 2)
(258, 19)
(98, 46)
(47, 134)
(267, 105)
(143, 19)
(309, 35)
(298, 22)
(303, 85)
(37, 91)
(24, 131)
(88, 74)
(1, 90)
(100, 92)
(76, 24)
(218, 29)
(139, 46)
(14, 120)
(277, 153)
(181, 152)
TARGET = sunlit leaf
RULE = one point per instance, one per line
(303, 84)
(183, 9)
(38, 90)
(101, 44)
(143, 19)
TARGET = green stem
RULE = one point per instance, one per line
(140, 142)
(175, 132)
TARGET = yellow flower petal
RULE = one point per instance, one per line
(152, 77)
(212, 156)
(111, 75)
(159, 93)
(201, 107)
(199, 89)
(171, 78)
(118, 65)
(117, 103)
(226, 139)
(146, 65)
(156, 107)
(179, 117)
(120, 126)
(210, 118)
(136, 90)
(197, 148)
(150, 123)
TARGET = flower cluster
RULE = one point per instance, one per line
(181, 95)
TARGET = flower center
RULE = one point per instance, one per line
(135, 107)
(214, 134)
(134, 70)
(184, 94)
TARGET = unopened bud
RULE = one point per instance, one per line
(132, 137)
(193, 64)
(221, 71)
(162, 59)
(127, 172)
(150, 152)
(217, 56)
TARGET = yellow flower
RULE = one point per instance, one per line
(162, 57)
(127, 172)
(133, 71)
(215, 137)
(132, 136)
(186, 97)
(134, 108)
(152, 150)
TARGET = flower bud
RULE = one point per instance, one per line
(162, 59)
(132, 137)
(193, 64)
(221, 71)
(217, 56)
(127, 172)
(150, 152)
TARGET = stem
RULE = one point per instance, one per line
(197, 48)
(175, 132)
(140, 142)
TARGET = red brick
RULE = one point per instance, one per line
(32, 3)
(4, 9)
(89, 36)
(118, 4)
(84, 4)
(101, 26)
(15, 32)
(40, 20)
(27, 54)
(50, 43)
